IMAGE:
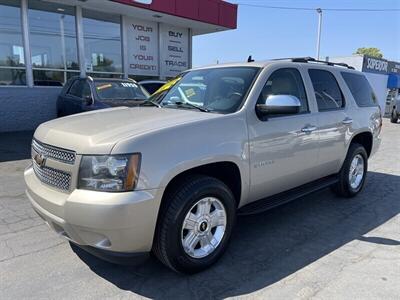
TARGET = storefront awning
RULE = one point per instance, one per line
(393, 81)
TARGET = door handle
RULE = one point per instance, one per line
(309, 129)
(347, 121)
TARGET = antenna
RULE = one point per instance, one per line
(250, 59)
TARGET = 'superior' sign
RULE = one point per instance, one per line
(375, 65)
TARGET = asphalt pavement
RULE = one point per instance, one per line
(317, 247)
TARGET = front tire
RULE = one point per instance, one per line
(394, 116)
(195, 225)
(353, 172)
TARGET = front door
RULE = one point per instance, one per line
(283, 148)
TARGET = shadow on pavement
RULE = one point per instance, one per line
(15, 145)
(268, 247)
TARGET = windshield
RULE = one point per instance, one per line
(120, 90)
(216, 90)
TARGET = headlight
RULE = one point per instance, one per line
(109, 173)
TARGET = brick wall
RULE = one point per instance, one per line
(23, 108)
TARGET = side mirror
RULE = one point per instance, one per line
(279, 104)
(88, 100)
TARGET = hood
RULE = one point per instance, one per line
(98, 131)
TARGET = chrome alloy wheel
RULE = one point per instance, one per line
(203, 227)
(356, 173)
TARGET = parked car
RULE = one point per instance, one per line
(86, 94)
(152, 86)
(395, 110)
(171, 177)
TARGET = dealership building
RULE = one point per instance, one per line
(43, 43)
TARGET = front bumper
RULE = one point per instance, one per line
(113, 222)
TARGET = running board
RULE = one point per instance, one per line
(285, 197)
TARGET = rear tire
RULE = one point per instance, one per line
(394, 117)
(181, 243)
(353, 172)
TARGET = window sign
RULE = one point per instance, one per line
(174, 50)
(142, 47)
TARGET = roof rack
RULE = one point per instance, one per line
(313, 60)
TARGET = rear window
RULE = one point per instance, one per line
(120, 90)
(360, 89)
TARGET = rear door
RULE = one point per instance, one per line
(333, 120)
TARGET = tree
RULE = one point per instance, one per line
(370, 51)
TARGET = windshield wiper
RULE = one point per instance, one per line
(181, 103)
(152, 103)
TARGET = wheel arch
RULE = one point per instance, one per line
(364, 138)
(226, 171)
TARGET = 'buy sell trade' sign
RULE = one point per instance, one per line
(174, 50)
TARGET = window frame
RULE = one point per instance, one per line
(308, 111)
(344, 102)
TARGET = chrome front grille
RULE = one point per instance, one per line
(53, 177)
(62, 155)
(46, 165)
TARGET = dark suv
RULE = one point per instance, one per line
(86, 94)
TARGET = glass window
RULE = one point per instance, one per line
(102, 36)
(53, 41)
(326, 89)
(86, 92)
(76, 88)
(12, 77)
(360, 89)
(119, 90)
(152, 87)
(48, 78)
(286, 81)
(216, 89)
(11, 48)
(12, 60)
(104, 75)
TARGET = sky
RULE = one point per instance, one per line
(270, 33)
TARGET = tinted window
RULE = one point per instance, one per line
(286, 81)
(360, 89)
(327, 91)
(76, 88)
(86, 90)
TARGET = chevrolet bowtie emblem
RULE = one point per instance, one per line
(40, 159)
